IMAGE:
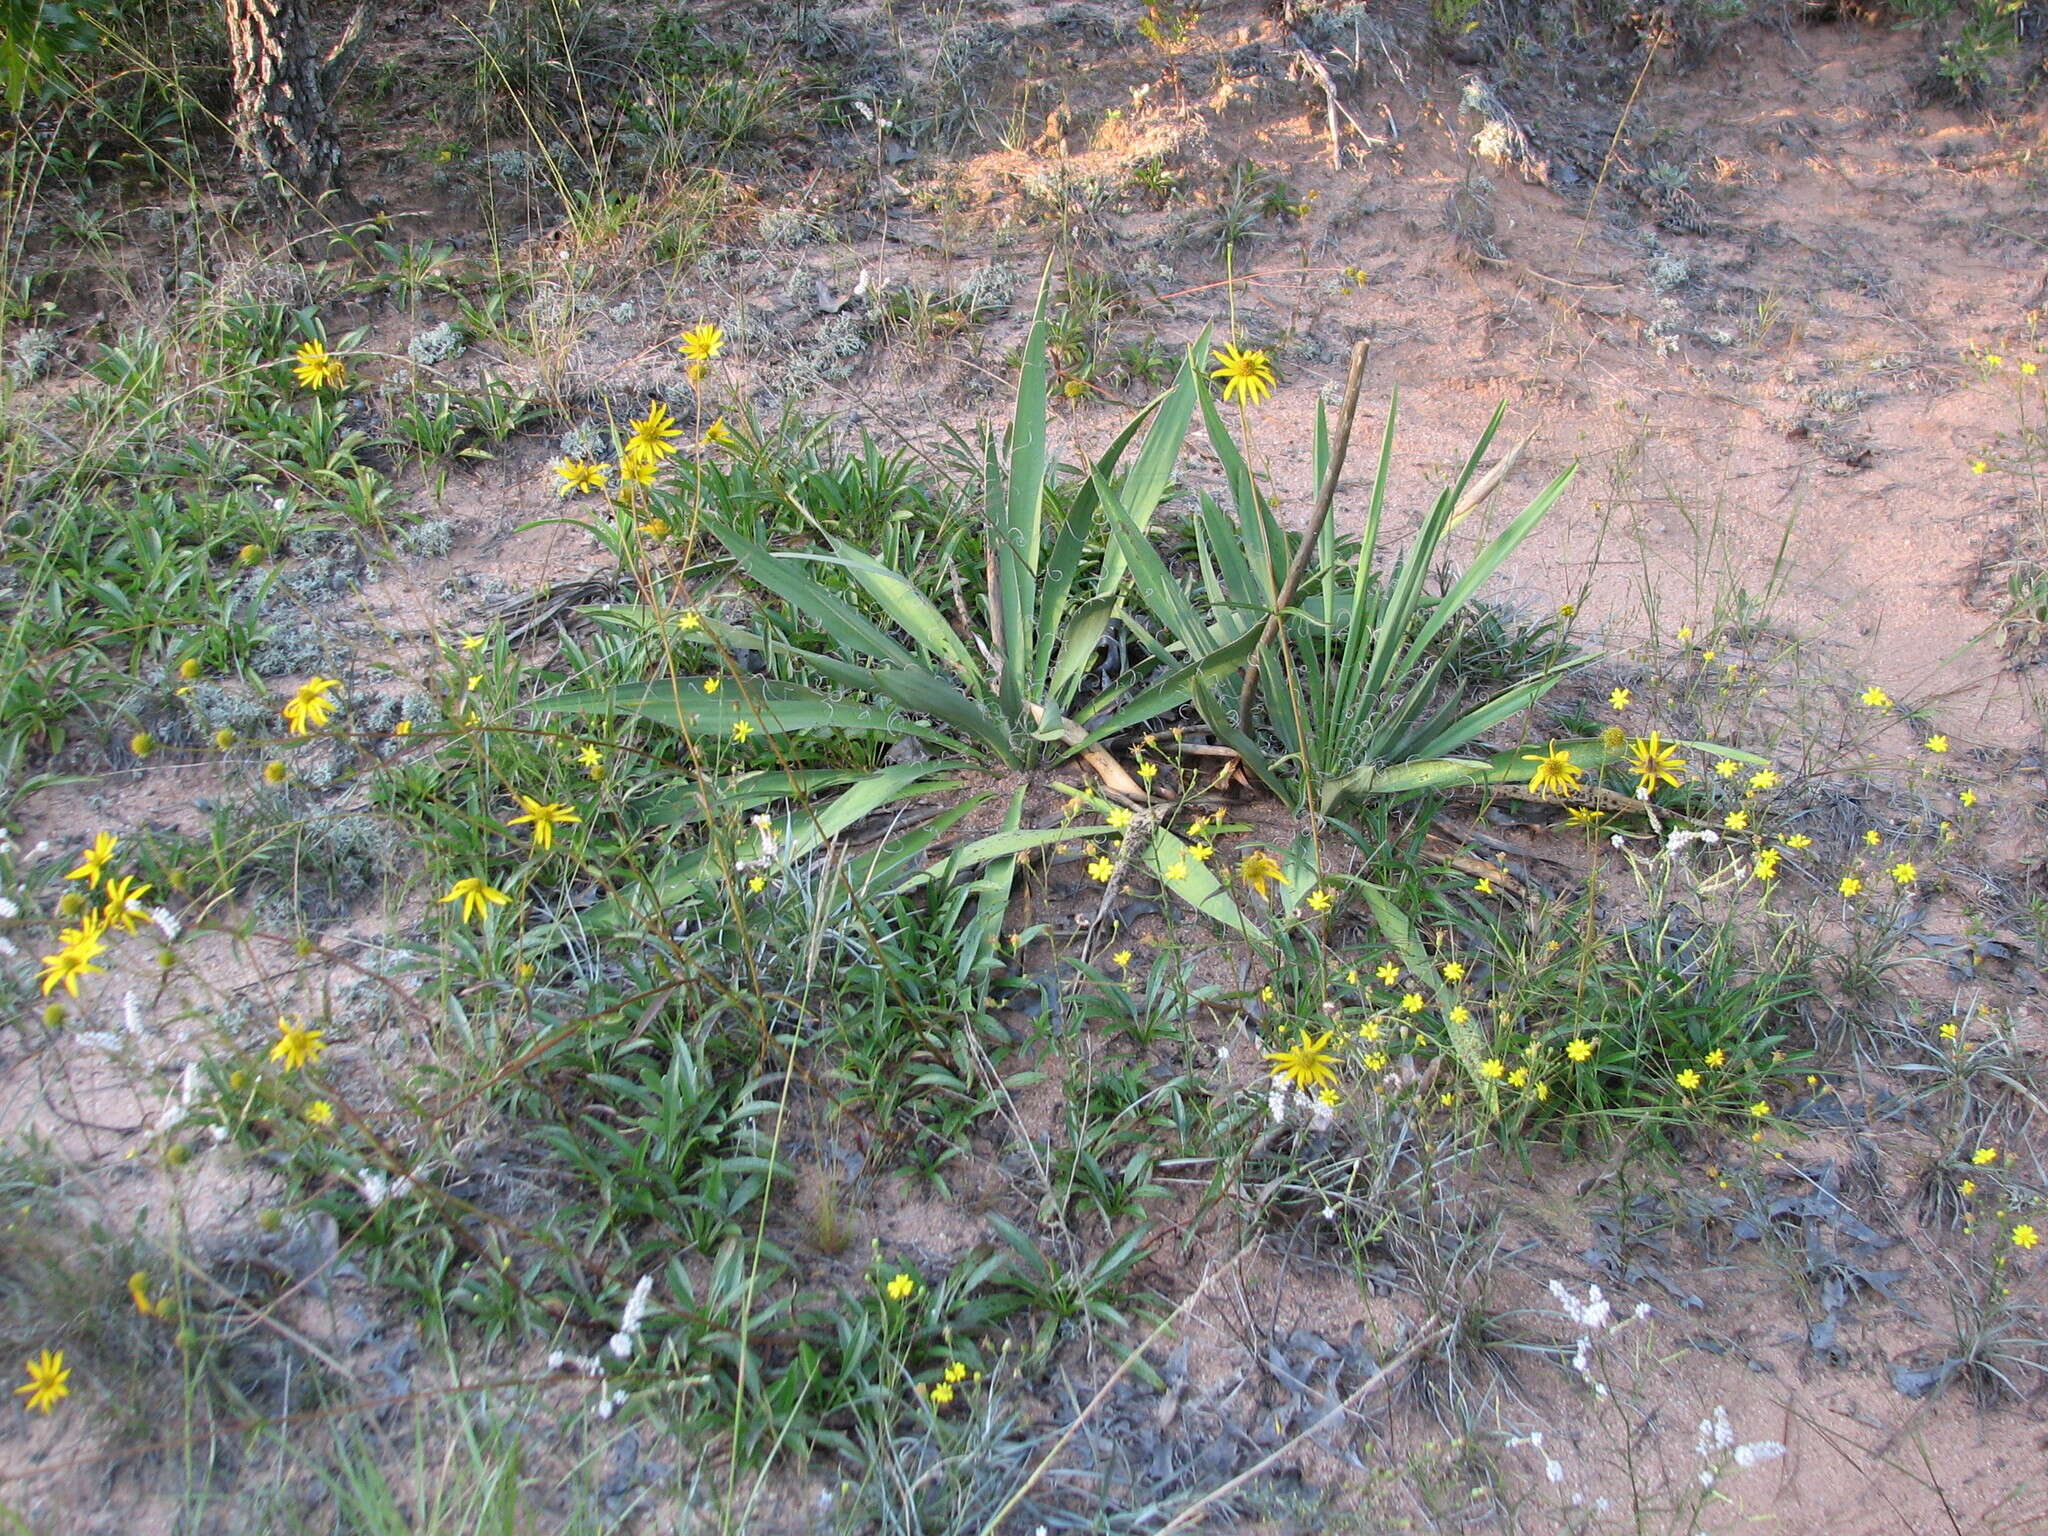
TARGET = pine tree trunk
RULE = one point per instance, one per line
(282, 122)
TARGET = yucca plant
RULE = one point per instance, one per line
(1014, 685)
(1360, 691)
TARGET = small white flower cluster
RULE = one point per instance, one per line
(608, 1402)
(620, 1346)
(378, 1187)
(8, 911)
(771, 848)
(176, 1112)
(1717, 1441)
(1592, 1315)
(1283, 1099)
(628, 1337)
(1553, 1469)
(129, 1035)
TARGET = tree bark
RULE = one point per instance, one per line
(283, 124)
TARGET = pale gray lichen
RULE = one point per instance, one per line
(1839, 400)
(213, 708)
(552, 307)
(31, 355)
(306, 543)
(1668, 273)
(325, 866)
(989, 291)
(292, 646)
(432, 539)
(435, 346)
(377, 716)
(841, 336)
(586, 440)
(320, 578)
(257, 281)
(473, 589)
(785, 228)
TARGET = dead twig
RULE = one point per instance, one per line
(1370, 1385)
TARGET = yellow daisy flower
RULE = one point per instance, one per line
(1309, 1064)
(317, 368)
(297, 1046)
(1246, 375)
(476, 896)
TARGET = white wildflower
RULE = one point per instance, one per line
(1283, 1098)
(1756, 1452)
(635, 1314)
(379, 1187)
(7, 908)
(1592, 1314)
(166, 924)
(1716, 1434)
(178, 1109)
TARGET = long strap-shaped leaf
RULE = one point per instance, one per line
(1016, 511)
(1366, 588)
(800, 832)
(1405, 587)
(1489, 560)
(1152, 472)
(1455, 735)
(925, 692)
(912, 611)
(785, 577)
(681, 704)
